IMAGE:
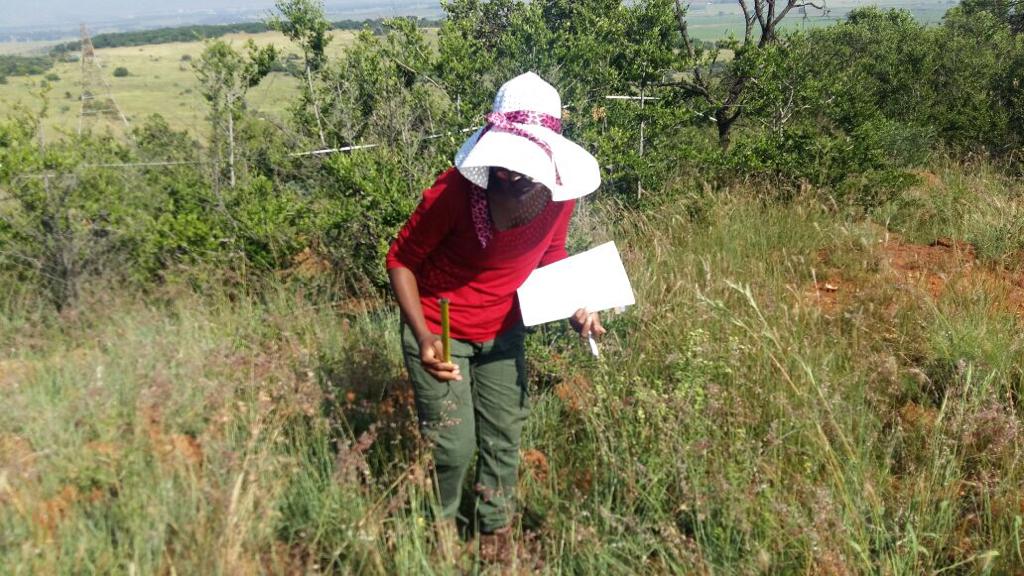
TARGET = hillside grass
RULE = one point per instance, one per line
(744, 417)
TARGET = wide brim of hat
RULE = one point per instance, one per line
(578, 169)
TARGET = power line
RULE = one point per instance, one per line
(327, 151)
(153, 163)
(318, 152)
(51, 173)
(133, 164)
(641, 98)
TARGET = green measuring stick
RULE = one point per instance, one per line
(446, 331)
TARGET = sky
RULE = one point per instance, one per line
(60, 14)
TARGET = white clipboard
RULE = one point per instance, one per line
(595, 280)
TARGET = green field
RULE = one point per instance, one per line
(716, 21)
(159, 81)
(29, 48)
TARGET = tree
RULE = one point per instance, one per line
(303, 22)
(59, 227)
(467, 52)
(722, 87)
(224, 78)
(1010, 12)
(589, 49)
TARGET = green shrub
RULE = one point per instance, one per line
(892, 144)
(367, 198)
(61, 230)
(120, 72)
(874, 188)
(16, 65)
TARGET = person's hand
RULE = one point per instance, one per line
(432, 358)
(587, 323)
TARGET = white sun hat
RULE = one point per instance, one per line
(523, 134)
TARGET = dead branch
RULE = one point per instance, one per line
(795, 4)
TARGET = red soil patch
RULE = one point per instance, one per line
(17, 461)
(309, 264)
(576, 392)
(929, 179)
(187, 448)
(536, 464)
(53, 510)
(825, 293)
(13, 372)
(934, 268)
(918, 417)
(106, 450)
(48, 514)
(934, 265)
(583, 481)
(171, 448)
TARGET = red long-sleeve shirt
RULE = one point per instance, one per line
(440, 246)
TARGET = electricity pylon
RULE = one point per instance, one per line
(97, 100)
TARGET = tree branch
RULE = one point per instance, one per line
(418, 73)
(681, 22)
(759, 12)
(693, 88)
(748, 21)
(796, 4)
(699, 85)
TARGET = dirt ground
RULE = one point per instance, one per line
(933, 269)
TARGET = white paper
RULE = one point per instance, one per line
(595, 280)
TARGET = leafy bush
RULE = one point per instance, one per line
(15, 65)
(875, 188)
(120, 72)
(871, 67)
(59, 229)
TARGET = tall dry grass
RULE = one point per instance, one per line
(798, 390)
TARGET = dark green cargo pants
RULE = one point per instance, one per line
(484, 412)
